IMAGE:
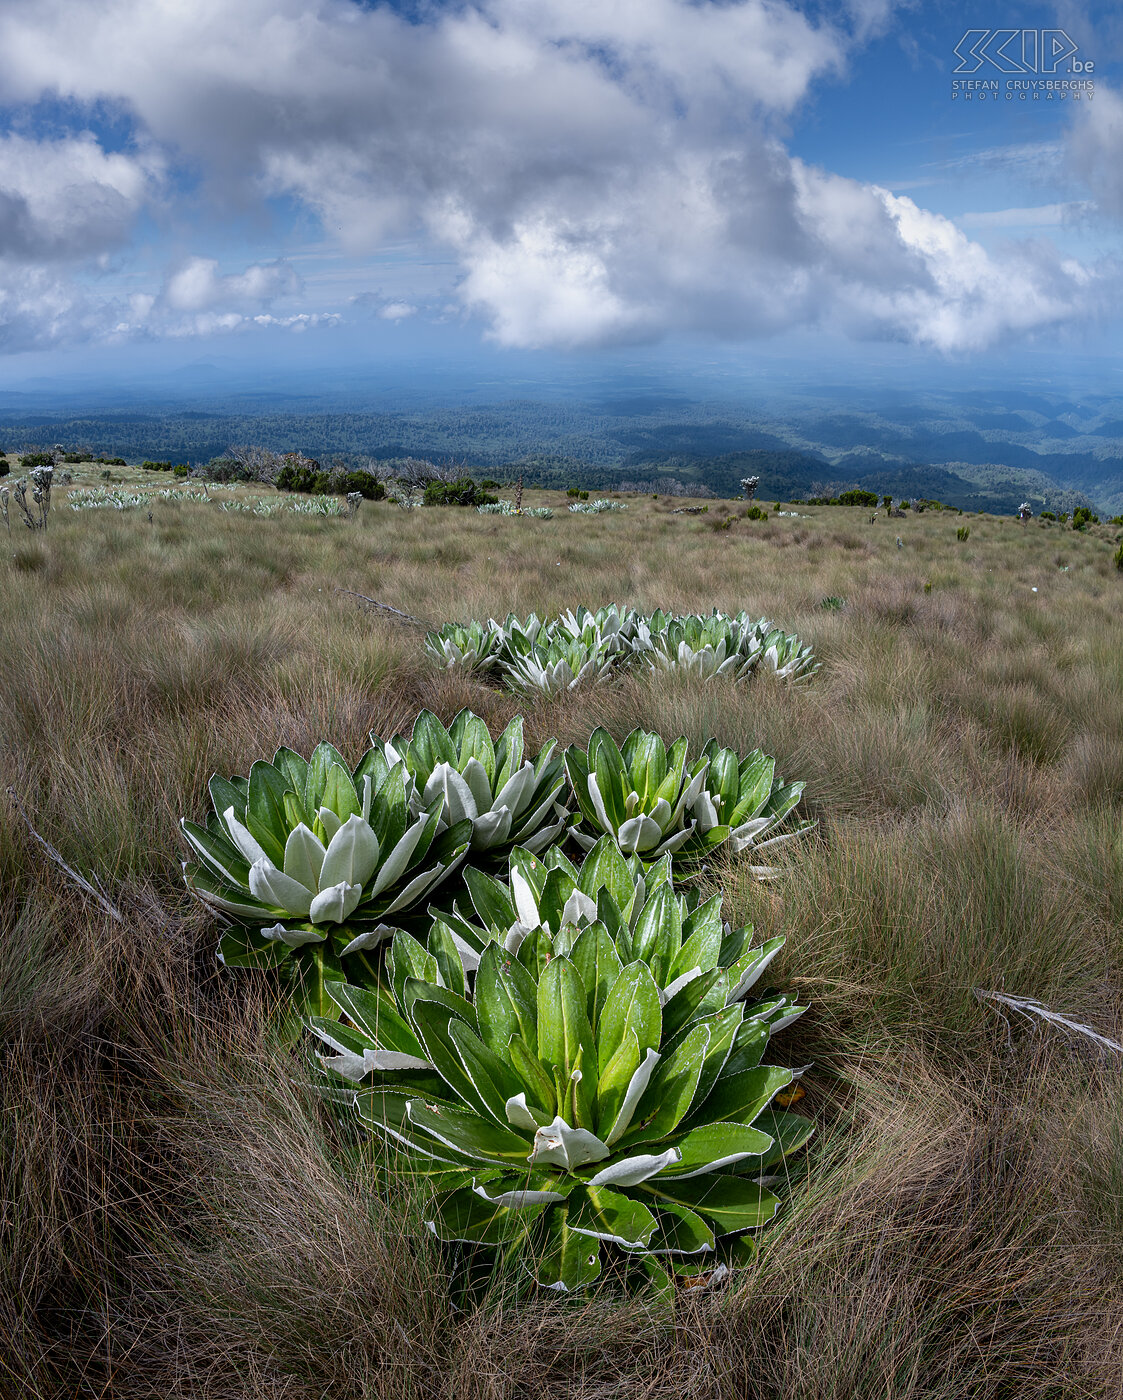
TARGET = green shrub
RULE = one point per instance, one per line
(73, 458)
(30, 460)
(963, 533)
(4, 468)
(755, 513)
(858, 498)
(155, 466)
(1046, 515)
(461, 492)
(182, 470)
(1082, 517)
(367, 486)
(305, 477)
(1118, 557)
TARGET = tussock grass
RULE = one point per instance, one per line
(180, 1217)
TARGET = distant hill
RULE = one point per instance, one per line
(977, 451)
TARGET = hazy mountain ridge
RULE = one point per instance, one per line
(976, 449)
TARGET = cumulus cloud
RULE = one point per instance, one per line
(199, 286)
(67, 198)
(600, 173)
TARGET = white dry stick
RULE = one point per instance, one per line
(79, 880)
(1029, 1007)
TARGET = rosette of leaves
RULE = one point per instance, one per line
(598, 1084)
(307, 859)
(645, 797)
(702, 646)
(507, 798)
(785, 655)
(611, 627)
(550, 669)
(472, 648)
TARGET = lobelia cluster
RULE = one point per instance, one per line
(547, 657)
(568, 1048)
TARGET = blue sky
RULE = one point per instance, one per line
(309, 183)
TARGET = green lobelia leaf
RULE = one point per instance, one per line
(716, 1146)
(457, 1006)
(450, 967)
(225, 794)
(466, 1218)
(471, 1134)
(470, 738)
(728, 1203)
(669, 1095)
(657, 936)
(508, 753)
(789, 1132)
(595, 957)
(323, 756)
(506, 1000)
(265, 810)
(741, 1097)
(407, 958)
(340, 796)
(702, 933)
(295, 772)
(537, 1084)
(606, 868)
(569, 1261)
(678, 1230)
(430, 744)
(613, 1083)
(749, 1045)
(631, 1004)
(377, 1017)
(218, 853)
(431, 1020)
(565, 1038)
(246, 947)
(610, 1215)
(690, 1003)
(494, 1079)
(492, 901)
(535, 952)
(314, 966)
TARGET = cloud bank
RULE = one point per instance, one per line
(601, 174)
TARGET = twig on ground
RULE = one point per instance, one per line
(394, 612)
(79, 880)
(1029, 1007)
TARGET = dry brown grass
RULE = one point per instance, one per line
(180, 1218)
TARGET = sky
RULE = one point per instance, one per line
(524, 183)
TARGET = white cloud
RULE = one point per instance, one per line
(601, 173)
(67, 198)
(199, 286)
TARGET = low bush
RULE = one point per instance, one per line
(367, 485)
(461, 492)
(30, 460)
(304, 477)
(963, 533)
